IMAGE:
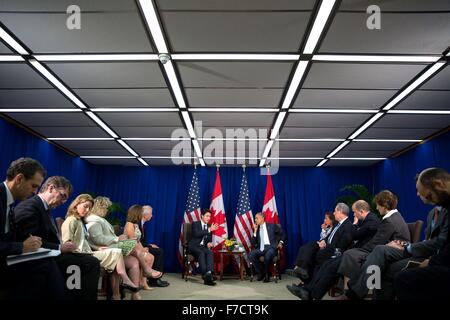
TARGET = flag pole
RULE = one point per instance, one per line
(243, 167)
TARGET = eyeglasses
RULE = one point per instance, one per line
(62, 194)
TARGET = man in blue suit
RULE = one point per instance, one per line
(266, 239)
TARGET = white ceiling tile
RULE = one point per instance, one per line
(20, 75)
(126, 98)
(35, 98)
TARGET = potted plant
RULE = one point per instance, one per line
(357, 192)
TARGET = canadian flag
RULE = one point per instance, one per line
(270, 206)
(270, 212)
(218, 215)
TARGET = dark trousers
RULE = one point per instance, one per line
(387, 292)
(205, 258)
(324, 278)
(90, 273)
(429, 283)
(306, 256)
(381, 256)
(36, 280)
(268, 253)
(351, 263)
(158, 253)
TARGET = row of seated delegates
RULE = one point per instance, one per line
(31, 280)
(364, 227)
(302, 267)
(33, 217)
(134, 230)
(111, 259)
(101, 234)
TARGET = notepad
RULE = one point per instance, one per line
(411, 264)
(41, 253)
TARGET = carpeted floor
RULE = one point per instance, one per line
(227, 289)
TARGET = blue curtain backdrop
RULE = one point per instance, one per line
(398, 174)
(302, 194)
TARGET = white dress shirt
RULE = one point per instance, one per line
(263, 236)
(203, 228)
(9, 202)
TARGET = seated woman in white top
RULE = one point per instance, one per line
(132, 231)
(74, 230)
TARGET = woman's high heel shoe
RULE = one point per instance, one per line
(125, 286)
(150, 275)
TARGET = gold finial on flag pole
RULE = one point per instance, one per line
(243, 167)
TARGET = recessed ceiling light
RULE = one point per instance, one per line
(107, 157)
(105, 127)
(277, 126)
(202, 162)
(134, 109)
(188, 123)
(420, 111)
(262, 162)
(233, 110)
(197, 148)
(96, 57)
(293, 86)
(47, 110)
(12, 42)
(156, 139)
(338, 148)
(301, 110)
(80, 139)
(375, 58)
(127, 147)
(11, 58)
(359, 159)
(294, 158)
(309, 140)
(386, 140)
(233, 56)
(267, 149)
(319, 24)
(143, 162)
(58, 84)
(366, 125)
(321, 163)
(174, 84)
(427, 74)
(151, 18)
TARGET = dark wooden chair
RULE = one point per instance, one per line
(274, 269)
(415, 230)
(188, 259)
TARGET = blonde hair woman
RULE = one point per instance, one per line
(73, 230)
(101, 233)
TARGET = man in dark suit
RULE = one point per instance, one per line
(267, 238)
(436, 234)
(33, 217)
(200, 246)
(365, 225)
(157, 252)
(431, 281)
(356, 262)
(31, 280)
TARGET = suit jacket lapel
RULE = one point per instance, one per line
(46, 217)
(2, 209)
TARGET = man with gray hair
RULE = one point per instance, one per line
(156, 251)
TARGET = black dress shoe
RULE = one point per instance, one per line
(301, 273)
(266, 279)
(209, 282)
(299, 292)
(158, 283)
(260, 277)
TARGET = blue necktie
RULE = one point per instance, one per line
(333, 232)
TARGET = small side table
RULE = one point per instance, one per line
(241, 255)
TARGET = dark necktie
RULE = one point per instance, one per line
(205, 228)
(11, 220)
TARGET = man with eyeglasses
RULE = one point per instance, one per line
(33, 216)
(431, 280)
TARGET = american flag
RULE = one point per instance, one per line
(192, 212)
(243, 222)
